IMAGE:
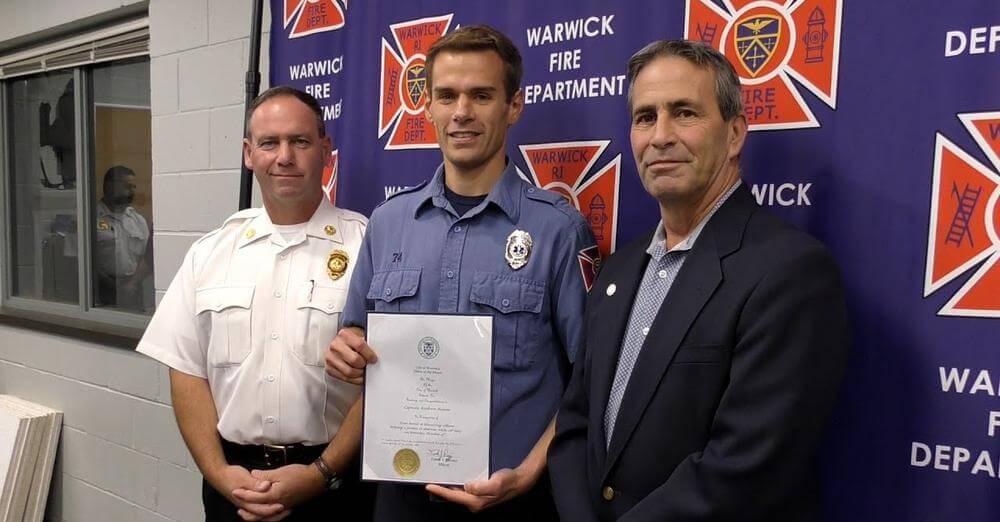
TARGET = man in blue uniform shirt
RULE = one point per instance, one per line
(477, 239)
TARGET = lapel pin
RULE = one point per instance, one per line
(612, 288)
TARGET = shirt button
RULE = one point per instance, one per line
(274, 336)
(645, 330)
(270, 378)
(269, 419)
(451, 274)
(663, 274)
(282, 256)
(531, 190)
(458, 229)
(277, 293)
(388, 291)
(608, 493)
(505, 303)
(329, 306)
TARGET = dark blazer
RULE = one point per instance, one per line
(724, 412)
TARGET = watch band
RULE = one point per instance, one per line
(333, 481)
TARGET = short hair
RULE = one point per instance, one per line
(115, 173)
(727, 84)
(286, 90)
(480, 38)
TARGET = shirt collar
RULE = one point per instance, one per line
(505, 194)
(104, 210)
(657, 246)
(326, 215)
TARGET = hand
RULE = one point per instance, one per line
(478, 495)
(237, 478)
(348, 355)
(290, 486)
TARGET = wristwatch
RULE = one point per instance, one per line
(333, 481)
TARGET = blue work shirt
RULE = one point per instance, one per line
(419, 256)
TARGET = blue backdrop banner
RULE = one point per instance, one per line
(875, 127)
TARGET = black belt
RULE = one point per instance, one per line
(270, 456)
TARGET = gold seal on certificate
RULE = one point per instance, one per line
(427, 401)
(406, 462)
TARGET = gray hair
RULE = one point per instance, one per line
(727, 83)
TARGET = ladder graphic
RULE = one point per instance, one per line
(967, 201)
(707, 34)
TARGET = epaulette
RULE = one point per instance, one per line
(404, 190)
(234, 220)
(539, 194)
(554, 199)
(243, 215)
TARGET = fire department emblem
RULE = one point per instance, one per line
(567, 168)
(769, 43)
(330, 176)
(965, 221)
(590, 264)
(415, 83)
(756, 40)
(313, 16)
(403, 83)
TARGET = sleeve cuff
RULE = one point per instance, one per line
(171, 360)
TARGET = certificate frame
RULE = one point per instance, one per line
(489, 425)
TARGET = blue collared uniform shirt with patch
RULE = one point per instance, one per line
(418, 256)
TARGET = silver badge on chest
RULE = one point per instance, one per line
(518, 249)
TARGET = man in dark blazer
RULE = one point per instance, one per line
(715, 344)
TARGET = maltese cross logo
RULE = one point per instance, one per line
(769, 43)
(565, 168)
(313, 16)
(330, 176)
(964, 220)
(403, 83)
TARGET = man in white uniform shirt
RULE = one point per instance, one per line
(244, 327)
(122, 242)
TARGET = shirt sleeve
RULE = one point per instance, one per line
(357, 307)
(172, 335)
(574, 272)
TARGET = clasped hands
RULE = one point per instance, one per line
(270, 495)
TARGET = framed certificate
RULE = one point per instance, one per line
(427, 400)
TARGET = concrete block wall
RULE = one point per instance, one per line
(121, 457)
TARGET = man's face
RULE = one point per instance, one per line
(680, 142)
(286, 154)
(122, 190)
(469, 109)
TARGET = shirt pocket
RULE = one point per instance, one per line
(516, 306)
(317, 317)
(394, 290)
(136, 245)
(228, 312)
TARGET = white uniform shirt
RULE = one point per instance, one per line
(121, 240)
(254, 317)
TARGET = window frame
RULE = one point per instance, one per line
(83, 314)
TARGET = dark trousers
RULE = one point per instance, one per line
(412, 503)
(351, 502)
